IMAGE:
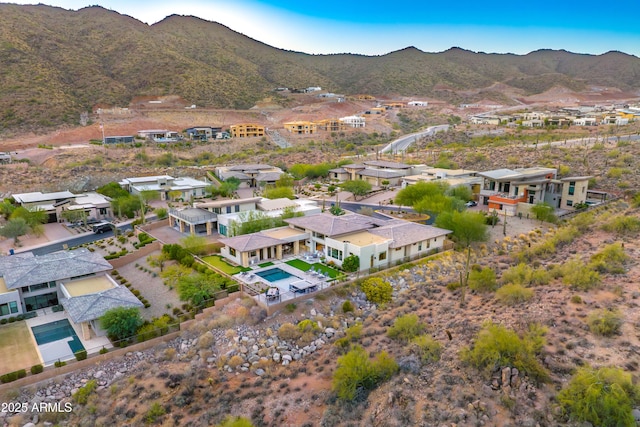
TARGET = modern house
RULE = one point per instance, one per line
(159, 135)
(452, 177)
(95, 205)
(202, 133)
(301, 127)
(76, 279)
(188, 188)
(247, 130)
(128, 139)
(377, 243)
(353, 121)
(513, 192)
(250, 175)
(375, 172)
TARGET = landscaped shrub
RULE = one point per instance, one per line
(36, 369)
(80, 354)
(602, 397)
(426, 348)
(104, 350)
(606, 323)
(377, 290)
(496, 346)
(513, 294)
(13, 376)
(406, 327)
(59, 363)
(3, 321)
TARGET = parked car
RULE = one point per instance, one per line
(471, 203)
(102, 227)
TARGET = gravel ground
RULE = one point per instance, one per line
(151, 288)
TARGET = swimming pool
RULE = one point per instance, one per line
(56, 340)
(274, 274)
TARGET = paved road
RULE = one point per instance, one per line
(74, 241)
(401, 144)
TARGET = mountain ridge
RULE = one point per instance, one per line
(56, 63)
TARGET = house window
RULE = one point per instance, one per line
(335, 253)
(232, 252)
(102, 211)
(420, 246)
(222, 229)
(37, 287)
(569, 202)
(4, 309)
(252, 254)
(572, 188)
(382, 256)
(13, 306)
(237, 208)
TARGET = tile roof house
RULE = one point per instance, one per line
(378, 243)
(76, 279)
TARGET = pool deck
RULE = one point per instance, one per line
(60, 349)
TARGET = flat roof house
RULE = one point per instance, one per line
(76, 279)
(247, 130)
(95, 205)
(189, 188)
(250, 175)
(159, 135)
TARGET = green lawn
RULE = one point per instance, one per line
(305, 266)
(18, 349)
(218, 262)
(265, 264)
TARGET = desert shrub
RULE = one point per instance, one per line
(147, 332)
(356, 374)
(406, 327)
(104, 350)
(496, 346)
(426, 348)
(605, 323)
(622, 225)
(347, 306)
(483, 280)
(59, 363)
(36, 369)
(610, 259)
(235, 361)
(155, 411)
(82, 395)
(579, 276)
(525, 275)
(290, 308)
(453, 286)
(377, 290)
(235, 422)
(352, 334)
(513, 294)
(603, 397)
(288, 332)
(576, 299)
(307, 325)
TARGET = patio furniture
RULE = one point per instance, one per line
(273, 294)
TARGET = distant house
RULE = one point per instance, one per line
(189, 188)
(375, 171)
(353, 121)
(129, 139)
(95, 205)
(202, 133)
(417, 103)
(159, 135)
(247, 130)
(301, 127)
(5, 157)
(76, 279)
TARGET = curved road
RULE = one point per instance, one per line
(401, 144)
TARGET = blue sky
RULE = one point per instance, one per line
(378, 27)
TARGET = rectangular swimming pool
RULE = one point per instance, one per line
(57, 340)
(274, 274)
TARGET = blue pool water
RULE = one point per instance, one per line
(274, 274)
(56, 331)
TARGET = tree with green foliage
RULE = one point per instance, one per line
(229, 186)
(460, 192)
(34, 218)
(14, 228)
(412, 194)
(467, 227)
(197, 245)
(121, 322)
(7, 207)
(603, 397)
(496, 346)
(377, 290)
(161, 213)
(75, 215)
(544, 212)
(356, 375)
(144, 197)
(126, 205)
(158, 260)
(197, 288)
(285, 180)
(113, 190)
(351, 263)
(279, 193)
(357, 187)
(174, 273)
(483, 280)
(253, 221)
